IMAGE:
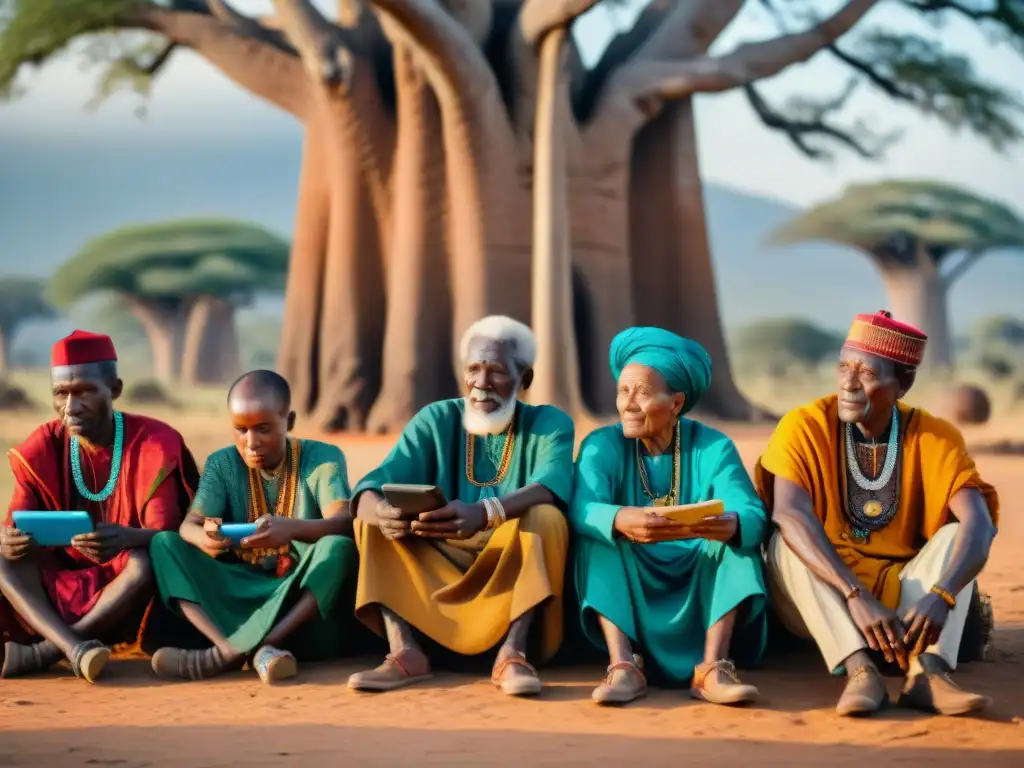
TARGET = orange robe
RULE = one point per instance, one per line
(157, 481)
(808, 449)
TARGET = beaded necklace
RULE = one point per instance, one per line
(506, 457)
(285, 505)
(115, 464)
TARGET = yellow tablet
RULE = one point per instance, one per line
(691, 514)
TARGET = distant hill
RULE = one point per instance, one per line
(54, 196)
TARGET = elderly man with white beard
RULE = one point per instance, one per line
(487, 568)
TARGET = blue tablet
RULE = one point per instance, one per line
(53, 529)
(237, 531)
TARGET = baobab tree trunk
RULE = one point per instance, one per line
(210, 354)
(417, 338)
(5, 352)
(917, 296)
(298, 358)
(673, 271)
(165, 329)
(556, 380)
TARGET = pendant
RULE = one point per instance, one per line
(663, 501)
(859, 535)
(872, 509)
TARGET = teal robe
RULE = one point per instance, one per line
(242, 599)
(432, 451)
(665, 596)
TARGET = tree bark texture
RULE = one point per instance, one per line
(416, 194)
(164, 324)
(918, 296)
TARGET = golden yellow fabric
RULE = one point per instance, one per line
(468, 610)
(808, 449)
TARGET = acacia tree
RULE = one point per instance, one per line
(445, 236)
(182, 280)
(922, 236)
(21, 301)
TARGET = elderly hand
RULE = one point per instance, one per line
(104, 543)
(15, 545)
(392, 521)
(641, 525)
(924, 623)
(716, 527)
(881, 627)
(458, 520)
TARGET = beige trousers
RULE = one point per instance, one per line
(808, 607)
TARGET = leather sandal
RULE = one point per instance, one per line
(516, 685)
(389, 676)
(708, 684)
(610, 693)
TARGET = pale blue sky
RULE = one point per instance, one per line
(194, 103)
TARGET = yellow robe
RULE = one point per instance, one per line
(808, 449)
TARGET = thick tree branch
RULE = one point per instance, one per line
(539, 17)
(689, 27)
(747, 64)
(317, 42)
(255, 65)
(954, 274)
(812, 121)
(443, 45)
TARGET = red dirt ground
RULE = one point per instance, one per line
(131, 719)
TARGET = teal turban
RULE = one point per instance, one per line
(683, 363)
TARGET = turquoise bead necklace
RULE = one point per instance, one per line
(115, 464)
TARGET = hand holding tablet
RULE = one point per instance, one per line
(52, 529)
(692, 514)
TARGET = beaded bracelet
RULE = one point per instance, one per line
(946, 595)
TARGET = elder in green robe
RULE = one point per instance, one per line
(490, 565)
(686, 595)
(276, 597)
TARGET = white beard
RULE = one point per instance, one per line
(476, 422)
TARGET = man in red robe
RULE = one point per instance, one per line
(132, 474)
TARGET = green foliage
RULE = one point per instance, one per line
(775, 346)
(31, 31)
(21, 299)
(942, 84)
(943, 217)
(165, 262)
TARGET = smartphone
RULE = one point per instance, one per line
(413, 500)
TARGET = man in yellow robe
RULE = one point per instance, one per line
(883, 525)
(489, 565)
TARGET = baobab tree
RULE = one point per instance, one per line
(922, 236)
(412, 241)
(22, 300)
(182, 280)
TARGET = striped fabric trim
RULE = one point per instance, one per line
(886, 342)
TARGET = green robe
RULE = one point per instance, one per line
(432, 451)
(665, 596)
(242, 599)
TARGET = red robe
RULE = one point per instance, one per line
(158, 478)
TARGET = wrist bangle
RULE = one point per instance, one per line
(855, 591)
(489, 510)
(499, 508)
(945, 594)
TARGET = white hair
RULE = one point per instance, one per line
(504, 329)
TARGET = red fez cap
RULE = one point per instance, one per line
(82, 347)
(880, 335)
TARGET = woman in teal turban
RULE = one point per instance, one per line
(688, 597)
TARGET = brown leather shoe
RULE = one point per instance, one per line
(864, 694)
(930, 688)
(625, 683)
(718, 683)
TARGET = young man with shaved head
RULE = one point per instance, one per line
(133, 475)
(883, 526)
(488, 567)
(274, 596)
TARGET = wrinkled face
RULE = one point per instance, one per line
(492, 381)
(83, 397)
(646, 407)
(866, 384)
(261, 429)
